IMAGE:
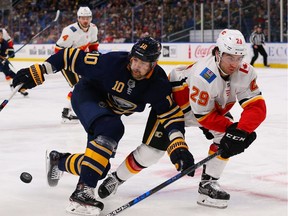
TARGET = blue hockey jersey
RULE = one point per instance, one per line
(110, 76)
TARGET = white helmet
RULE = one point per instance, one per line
(84, 12)
(231, 41)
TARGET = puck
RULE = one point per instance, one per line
(26, 177)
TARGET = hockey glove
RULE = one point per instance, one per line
(207, 133)
(235, 141)
(180, 155)
(11, 53)
(31, 76)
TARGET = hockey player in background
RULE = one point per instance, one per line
(111, 85)
(83, 35)
(7, 50)
(205, 91)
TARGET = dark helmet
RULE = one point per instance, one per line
(147, 49)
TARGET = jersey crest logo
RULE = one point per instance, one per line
(208, 75)
(73, 28)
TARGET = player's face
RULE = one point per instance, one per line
(139, 68)
(84, 21)
(230, 63)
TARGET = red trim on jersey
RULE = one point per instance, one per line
(253, 115)
(181, 95)
(93, 47)
(57, 49)
(214, 121)
(132, 165)
(10, 43)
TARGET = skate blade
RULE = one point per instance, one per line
(78, 209)
(209, 202)
(67, 121)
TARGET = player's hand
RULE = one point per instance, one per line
(207, 133)
(30, 77)
(235, 141)
(180, 155)
(11, 53)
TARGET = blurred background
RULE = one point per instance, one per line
(124, 21)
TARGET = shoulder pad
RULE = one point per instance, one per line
(73, 28)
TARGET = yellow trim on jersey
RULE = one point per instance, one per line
(164, 115)
(76, 53)
(96, 157)
(205, 116)
(72, 164)
(172, 121)
(153, 131)
(80, 163)
(219, 156)
(85, 163)
(259, 97)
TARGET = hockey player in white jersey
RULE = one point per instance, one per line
(205, 91)
(83, 35)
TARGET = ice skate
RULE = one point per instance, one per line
(109, 186)
(83, 201)
(211, 194)
(68, 117)
(52, 170)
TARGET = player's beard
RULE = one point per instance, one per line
(84, 25)
(136, 74)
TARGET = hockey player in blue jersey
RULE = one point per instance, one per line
(111, 85)
(7, 50)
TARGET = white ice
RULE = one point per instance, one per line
(256, 179)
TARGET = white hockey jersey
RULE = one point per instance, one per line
(74, 36)
(208, 97)
(7, 37)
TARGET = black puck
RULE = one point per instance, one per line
(26, 177)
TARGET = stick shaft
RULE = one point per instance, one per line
(163, 185)
(5, 102)
(35, 36)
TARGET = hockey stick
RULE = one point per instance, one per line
(35, 36)
(6, 60)
(5, 102)
(164, 184)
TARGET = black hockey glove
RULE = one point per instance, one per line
(11, 53)
(235, 141)
(31, 76)
(207, 133)
(180, 155)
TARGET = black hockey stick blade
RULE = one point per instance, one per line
(5, 102)
(164, 184)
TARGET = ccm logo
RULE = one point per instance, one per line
(237, 138)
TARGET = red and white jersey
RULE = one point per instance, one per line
(210, 97)
(74, 36)
(7, 37)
